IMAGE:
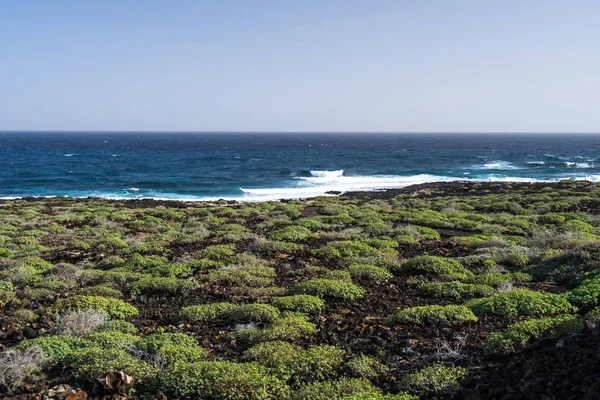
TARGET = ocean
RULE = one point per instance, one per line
(268, 166)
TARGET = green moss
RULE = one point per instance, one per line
(419, 315)
(521, 302)
(517, 335)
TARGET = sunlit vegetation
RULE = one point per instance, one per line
(361, 297)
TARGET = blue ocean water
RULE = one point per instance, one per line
(255, 166)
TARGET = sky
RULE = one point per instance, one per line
(300, 65)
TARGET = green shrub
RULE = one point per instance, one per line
(456, 290)
(221, 380)
(587, 295)
(496, 279)
(254, 313)
(366, 367)
(435, 379)
(516, 259)
(95, 363)
(330, 288)
(113, 340)
(420, 314)
(568, 268)
(218, 252)
(380, 396)
(370, 272)
(154, 284)
(100, 290)
(447, 268)
(24, 315)
(300, 302)
(289, 327)
(56, 348)
(6, 297)
(6, 286)
(339, 389)
(291, 362)
(118, 325)
(204, 313)
(521, 302)
(115, 308)
(593, 315)
(291, 233)
(356, 249)
(520, 333)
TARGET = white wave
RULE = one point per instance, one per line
(133, 189)
(327, 174)
(570, 164)
(70, 154)
(502, 165)
(584, 165)
(536, 162)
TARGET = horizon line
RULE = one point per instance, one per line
(303, 132)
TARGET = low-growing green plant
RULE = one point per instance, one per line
(435, 379)
(294, 364)
(24, 315)
(289, 327)
(421, 314)
(337, 389)
(95, 363)
(290, 233)
(300, 302)
(221, 380)
(100, 290)
(366, 367)
(330, 288)
(207, 312)
(118, 325)
(587, 295)
(521, 302)
(115, 308)
(153, 284)
(369, 272)
(446, 268)
(456, 290)
(254, 313)
(56, 348)
(520, 333)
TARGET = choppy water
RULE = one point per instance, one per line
(256, 166)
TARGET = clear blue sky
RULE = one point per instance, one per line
(300, 65)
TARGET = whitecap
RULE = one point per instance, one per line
(584, 165)
(70, 154)
(536, 162)
(327, 174)
(501, 165)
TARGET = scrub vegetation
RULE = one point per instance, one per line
(413, 293)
